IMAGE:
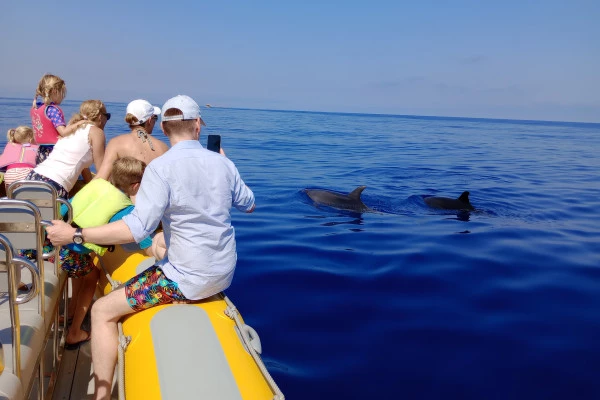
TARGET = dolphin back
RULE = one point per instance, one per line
(350, 201)
(447, 203)
(355, 194)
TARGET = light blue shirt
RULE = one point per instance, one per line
(130, 247)
(192, 190)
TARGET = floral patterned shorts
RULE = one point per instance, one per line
(76, 265)
(43, 152)
(60, 191)
(152, 288)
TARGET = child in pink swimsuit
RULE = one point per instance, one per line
(47, 118)
(19, 155)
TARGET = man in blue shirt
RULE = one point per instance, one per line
(191, 190)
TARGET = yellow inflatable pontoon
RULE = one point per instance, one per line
(186, 351)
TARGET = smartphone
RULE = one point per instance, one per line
(214, 143)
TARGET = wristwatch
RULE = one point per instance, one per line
(78, 236)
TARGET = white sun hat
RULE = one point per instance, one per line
(142, 110)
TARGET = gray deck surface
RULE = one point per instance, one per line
(75, 379)
(75, 376)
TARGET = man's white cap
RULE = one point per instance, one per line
(186, 105)
(142, 110)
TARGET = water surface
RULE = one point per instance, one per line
(410, 302)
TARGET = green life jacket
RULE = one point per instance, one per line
(95, 205)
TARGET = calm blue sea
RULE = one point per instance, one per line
(410, 302)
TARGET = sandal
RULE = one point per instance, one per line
(76, 345)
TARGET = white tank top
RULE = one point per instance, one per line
(69, 157)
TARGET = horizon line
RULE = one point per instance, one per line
(411, 116)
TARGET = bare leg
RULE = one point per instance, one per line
(105, 314)
(83, 300)
(75, 286)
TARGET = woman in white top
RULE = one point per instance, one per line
(71, 155)
(75, 152)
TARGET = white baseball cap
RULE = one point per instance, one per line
(142, 110)
(186, 105)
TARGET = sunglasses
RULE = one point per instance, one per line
(155, 117)
(107, 115)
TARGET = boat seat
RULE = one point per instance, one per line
(20, 364)
(44, 197)
(20, 222)
(180, 362)
(53, 287)
(10, 386)
(32, 344)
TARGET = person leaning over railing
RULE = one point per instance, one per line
(70, 156)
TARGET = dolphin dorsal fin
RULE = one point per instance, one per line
(355, 194)
(464, 197)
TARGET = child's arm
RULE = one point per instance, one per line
(159, 247)
(69, 129)
(58, 120)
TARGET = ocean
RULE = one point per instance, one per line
(406, 301)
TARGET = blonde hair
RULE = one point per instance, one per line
(177, 126)
(49, 85)
(126, 171)
(133, 122)
(20, 134)
(90, 110)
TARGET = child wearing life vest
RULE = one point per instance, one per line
(126, 176)
(47, 118)
(19, 155)
(97, 203)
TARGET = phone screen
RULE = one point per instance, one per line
(214, 143)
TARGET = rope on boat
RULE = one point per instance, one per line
(123, 343)
(123, 340)
(113, 284)
(232, 312)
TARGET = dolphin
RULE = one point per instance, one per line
(446, 203)
(350, 201)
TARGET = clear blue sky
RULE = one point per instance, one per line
(502, 59)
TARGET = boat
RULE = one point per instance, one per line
(177, 351)
(198, 350)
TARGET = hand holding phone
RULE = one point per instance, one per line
(214, 143)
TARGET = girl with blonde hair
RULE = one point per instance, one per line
(18, 158)
(71, 155)
(75, 152)
(47, 118)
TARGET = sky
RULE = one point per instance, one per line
(537, 60)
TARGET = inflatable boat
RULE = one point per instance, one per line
(202, 350)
